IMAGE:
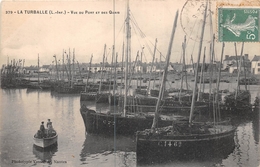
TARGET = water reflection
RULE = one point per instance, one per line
(255, 125)
(45, 155)
(61, 95)
(246, 138)
(22, 111)
(100, 146)
(33, 90)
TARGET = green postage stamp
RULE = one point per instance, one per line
(238, 24)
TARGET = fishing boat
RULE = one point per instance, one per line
(120, 121)
(66, 88)
(110, 123)
(183, 139)
(91, 89)
(47, 141)
(238, 102)
(11, 75)
(249, 81)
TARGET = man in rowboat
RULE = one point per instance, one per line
(49, 128)
(41, 132)
(48, 123)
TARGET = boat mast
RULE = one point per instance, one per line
(148, 88)
(114, 83)
(69, 69)
(154, 77)
(212, 52)
(196, 72)
(63, 65)
(66, 68)
(73, 65)
(218, 82)
(184, 63)
(79, 70)
(100, 84)
(183, 68)
(38, 69)
(236, 61)
(112, 62)
(191, 59)
(133, 68)
(201, 75)
(141, 69)
(122, 68)
(240, 63)
(128, 36)
(88, 72)
(244, 64)
(57, 73)
(156, 114)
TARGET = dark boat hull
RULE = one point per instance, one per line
(100, 123)
(141, 91)
(67, 90)
(88, 96)
(162, 148)
(102, 97)
(239, 106)
(114, 99)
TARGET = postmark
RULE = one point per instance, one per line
(238, 24)
(191, 19)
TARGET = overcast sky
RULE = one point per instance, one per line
(24, 36)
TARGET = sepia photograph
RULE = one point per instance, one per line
(127, 83)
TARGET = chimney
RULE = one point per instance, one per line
(246, 56)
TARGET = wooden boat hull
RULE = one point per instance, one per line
(67, 90)
(45, 142)
(113, 99)
(141, 91)
(100, 123)
(102, 97)
(147, 104)
(238, 106)
(162, 148)
(88, 96)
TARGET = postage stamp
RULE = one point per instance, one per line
(238, 24)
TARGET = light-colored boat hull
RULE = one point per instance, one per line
(45, 142)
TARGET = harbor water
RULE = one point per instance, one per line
(23, 110)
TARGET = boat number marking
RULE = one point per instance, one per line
(170, 143)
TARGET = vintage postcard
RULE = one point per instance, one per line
(130, 83)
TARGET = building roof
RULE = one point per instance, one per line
(45, 66)
(256, 58)
(235, 58)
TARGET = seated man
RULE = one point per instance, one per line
(50, 129)
(39, 134)
(42, 129)
(49, 122)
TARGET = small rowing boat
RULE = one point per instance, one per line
(46, 141)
